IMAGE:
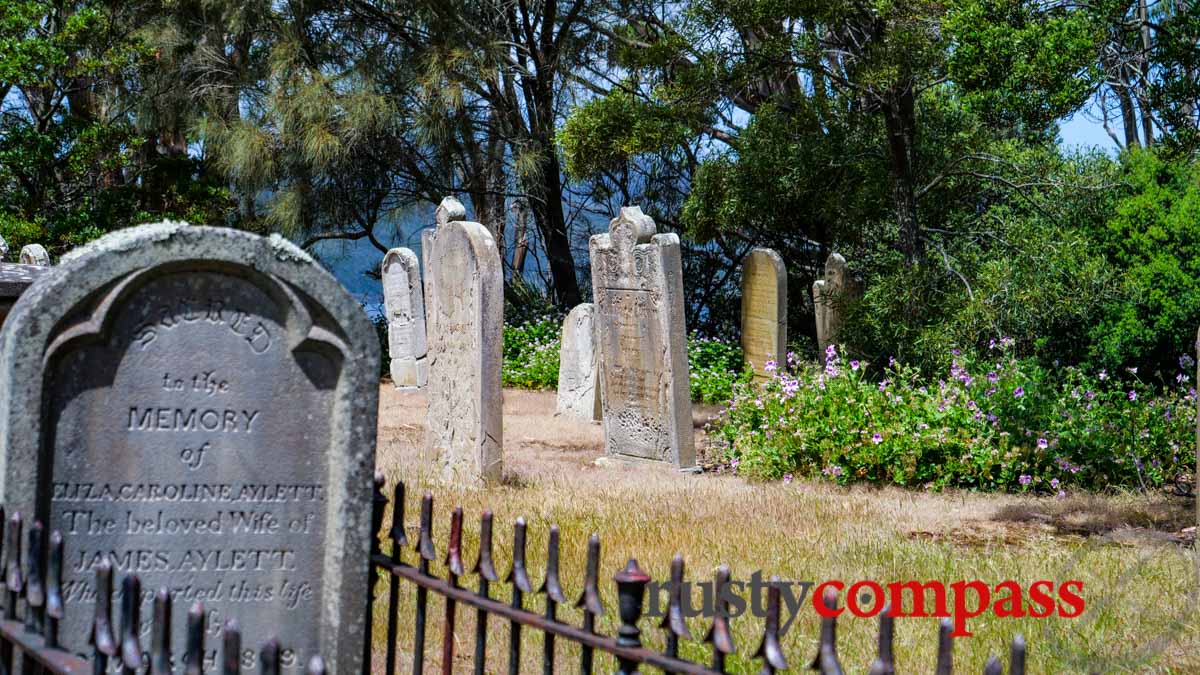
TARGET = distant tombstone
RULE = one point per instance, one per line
(637, 280)
(764, 309)
(405, 309)
(3, 248)
(35, 254)
(578, 388)
(829, 296)
(198, 405)
(14, 279)
(448, 211)
(465, 355)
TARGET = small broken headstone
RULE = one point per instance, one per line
(830, 295)
(34, 254)
(465, 430)
(405, 312)
(764, 309)
(637, 280)
(198, 405)
(578, 388)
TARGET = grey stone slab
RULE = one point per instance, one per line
(830, 295)
(199, 405)
(14, 279)
(404, 305)
(764, 309)
(578, 375)
(637, 280)
(464, 418)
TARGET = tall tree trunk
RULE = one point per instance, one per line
(520, 238)
(1144, 72)
(899, 113)
(1128, 114)
(552, 225)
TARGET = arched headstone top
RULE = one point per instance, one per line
(34, 254)
(449, 211)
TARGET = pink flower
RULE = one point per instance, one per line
(1132, 395)
(854, 365)
(1054, 483)
(1043, 443)
(1018, 392)
(1025, 479)
(770, 366)
(877, 438)
(787, 478)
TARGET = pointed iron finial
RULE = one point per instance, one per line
(518, 576)
(551, 586)
(54, 598)
(399, 538)
(193, 657)
(425, 539)
(484, 566)
(231, 648)
(131, 610)
(771, 651)
(454, 552)
(35, 590)
(589, 599)
(160, 637)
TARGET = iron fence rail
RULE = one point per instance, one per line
(631, 582)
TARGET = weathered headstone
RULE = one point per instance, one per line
(448, 211)
(829, 296)
(764, 309)
(198, 405)
(3, 248)
(578, 386)
(465, 354)
(405, 309)
(34, 254)
(14, 279)
(637, 280)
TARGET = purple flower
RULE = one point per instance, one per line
(1025, 479)
(993, 377)
(1132, 370)
(1103, 375)
(787, 478)
(770, 366)
(1132, 395)
(1054, 483)
(832, 470)
(877, 438)
(1043, 443)
(854, 365)
(1018, 392)
(1061, 494)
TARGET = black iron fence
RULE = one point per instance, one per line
(31, 589)
(491, 613)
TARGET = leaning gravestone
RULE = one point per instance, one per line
(637, 280)
(405, 309)
(465, 431)
(198, 405)
(829, 296)
(35, 254)
(764, 309)
(448, 211)
(578, 389)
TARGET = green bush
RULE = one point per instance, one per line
(714, 366)
(995, 422)
(531, 352)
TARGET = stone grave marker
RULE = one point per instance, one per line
(405, 308)
(34, 254)
(14, 279)
(465, 433)
(198, 405)
(764, 309)
(829, 294)
(578, 386)
(448, 211)
(3, 248)
(637, 280)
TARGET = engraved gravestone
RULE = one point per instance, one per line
(34, 254)
(198, 405)
(448, 211)
(405, 309)
(637, 280)
(764, 309)
(830, 295)
(465, 433)
(578, 389)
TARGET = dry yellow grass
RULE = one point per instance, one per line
(1139, 581)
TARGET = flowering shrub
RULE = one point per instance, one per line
(531, 353)
(713, 366)
(995, 422)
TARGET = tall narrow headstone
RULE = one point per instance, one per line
(465, 354)
(829, 297)
(448, 211)
(198, 405)
(34, 254)
(764, 309)
(637, 280)
(578, 388)
(405, 309)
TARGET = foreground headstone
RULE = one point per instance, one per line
(198, 405)
(465, 431)
(450, 210)
(578, 386)
(764, 309)
(405, 308)
(14, 279)
(34, 254)
(637, 280)
(830, 295)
